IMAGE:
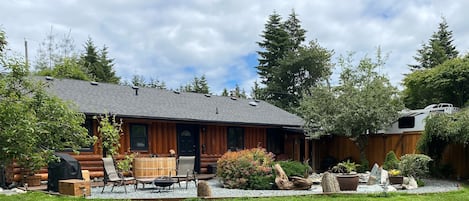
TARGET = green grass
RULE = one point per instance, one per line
(455, 196)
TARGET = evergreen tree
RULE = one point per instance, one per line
(109, 75)
(294, 30)
(225, 92)
(438, 50)
(97, 64)
(53, 52)
(275, 45)
(198, 85)
(3, 41)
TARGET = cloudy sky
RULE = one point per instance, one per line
(175, 40)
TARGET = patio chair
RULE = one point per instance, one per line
(185, 170)
(111, 175)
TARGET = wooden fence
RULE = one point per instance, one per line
(342, 148)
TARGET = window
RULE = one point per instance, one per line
(235, 138)
(138, 137)
(275, 141)
(406, 122)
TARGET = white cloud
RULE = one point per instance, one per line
(162, 39)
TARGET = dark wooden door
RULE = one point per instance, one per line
(188, 142)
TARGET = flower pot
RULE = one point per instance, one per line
(348, 182)
(396, 179)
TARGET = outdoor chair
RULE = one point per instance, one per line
(185, 170)
(111, 175)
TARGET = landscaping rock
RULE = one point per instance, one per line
(372, 180)
(383, 177)
(376, 173)
(391, 188)
(203, 189)
(329, 183)
(411, 185)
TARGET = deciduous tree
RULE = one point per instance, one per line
(363, 103)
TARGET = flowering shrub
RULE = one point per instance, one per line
(246, 169)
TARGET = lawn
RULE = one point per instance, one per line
(456, 195)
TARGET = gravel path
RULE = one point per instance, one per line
(432, 186)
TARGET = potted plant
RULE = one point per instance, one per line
(348, 178)
(395, 177)
(125, 165)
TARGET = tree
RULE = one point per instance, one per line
(3, 41)
(139, 81)
(33, 123)
(97, 64)
(110, 130)
(275, 45)
(256, 91)
(442, 129)
(438, 50)
(238, 92)
(297, 72)
(294, 30)
(69, 68)
(198, 85)
(287, 67)
(225, 92)
(447, 82)
(363, 103)
(53, 52)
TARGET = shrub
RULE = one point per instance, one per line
(294, 168)
(391, 161)
(246, 169)
(415, 165)
(345, 167)
(364, 166)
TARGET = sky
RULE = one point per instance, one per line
(175, 40)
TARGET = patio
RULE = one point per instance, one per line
(432, 186)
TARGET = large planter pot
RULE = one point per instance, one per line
(348, 182)
(396, 179)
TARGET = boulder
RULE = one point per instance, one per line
(376, 173)
(411, 185)
(372, 180)
(383, 177)
(329, 183)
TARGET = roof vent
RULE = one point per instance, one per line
(49, 78)
(176, 92)
(94, 83)
(233, 98)
(208, 95)
(136, 89)
(257, 100)
(252, 103)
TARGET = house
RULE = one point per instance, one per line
(156, 120)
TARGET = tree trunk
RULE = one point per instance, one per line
(361, 142)
(296, 183)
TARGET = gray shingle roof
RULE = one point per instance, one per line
(163, 104)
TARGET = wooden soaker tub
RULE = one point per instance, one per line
(154, 167)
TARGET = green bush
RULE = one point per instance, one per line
(364, 166)
(246, 169)
(293, 168)
(415, 165)
(391, 161)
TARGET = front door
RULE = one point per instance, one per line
(188, 142)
